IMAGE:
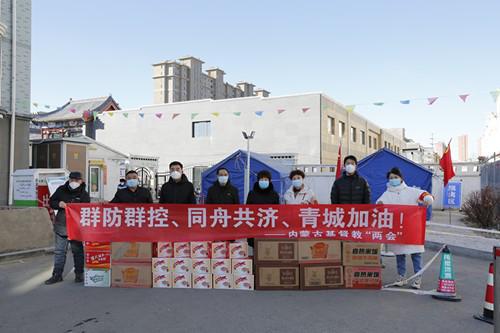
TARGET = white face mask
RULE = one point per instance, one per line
(223, 179)
(350, 168)
(74, 185)
(176, 175)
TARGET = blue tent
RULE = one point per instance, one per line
(374, 169)
(235, 164)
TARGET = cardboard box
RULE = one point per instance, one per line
(361, 254)
(320, 251)
(243, 282)
(238, 250)
(223, 281)
(97, 278)
(97, 246)
(221, 266)
(363, 277)
(277, 277)
(276, 251)
(161, 266)
(131, 275)
(321, 276)
(181, 280)
(182, 250)
(131, 251)
(162, 280)
(181, 265)
(220, 250)
(200, 250)
(202, 281)
(165, 250)
(241, 266)
(97, 259)
(201, 266)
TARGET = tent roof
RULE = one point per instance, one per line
(384, 151)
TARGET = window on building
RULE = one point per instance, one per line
(353, 134)
(201, 129)
(331, 125)
(341, 129)
(363, 138)
(369, 141)
(375, 146)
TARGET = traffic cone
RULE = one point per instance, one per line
(447, 287)
(487, 315)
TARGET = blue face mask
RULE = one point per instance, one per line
(132, 182)
(395, 181)
(297, 183)
(263, 184)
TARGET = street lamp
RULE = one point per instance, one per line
(247, 171)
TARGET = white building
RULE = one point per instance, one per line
(489, 143)
(305, 129)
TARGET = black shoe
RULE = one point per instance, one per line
(78, 277)
(54, 279)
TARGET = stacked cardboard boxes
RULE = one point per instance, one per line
(362, 265)
(276, 264)
(131, 265)
(320, 264)
(97, 264)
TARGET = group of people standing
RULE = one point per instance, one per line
(350, 188)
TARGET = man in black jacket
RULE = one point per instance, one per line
(222, 192)
(263, 192)
(178, 189)
(351, 188)
(133, 193)
(73, 191)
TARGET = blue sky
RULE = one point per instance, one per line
(354, 51)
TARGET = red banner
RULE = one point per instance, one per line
(158, 222)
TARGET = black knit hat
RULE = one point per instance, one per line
(75, 175)
(395, 171)
(351, 157)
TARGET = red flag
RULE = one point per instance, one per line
(339, 164)
(447, 165)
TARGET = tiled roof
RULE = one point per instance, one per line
(74, 109)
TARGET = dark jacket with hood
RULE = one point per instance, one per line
(259, 196)
(68, 195)
(178, 193)
(350, 190)
(223, 195)
(140, 195)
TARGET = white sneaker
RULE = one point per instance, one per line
(400, 282)
(416, 284)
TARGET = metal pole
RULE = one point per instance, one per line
(496, 290)
(247, 170)
(13, 104)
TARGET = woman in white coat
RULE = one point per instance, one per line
(398, 193)
(299, 193)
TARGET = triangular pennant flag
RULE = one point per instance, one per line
(193, 115)
(378, 103)
(111, 114)
(125, 114)
(463, 97)
(280, 111)
(237, 113)
(350, 108)
(141, 114)
(494, 94)
(405, 101)
(216, 114)
(72, 110)
(259, 113)
(35, 105)
(175, 115)
(159, 115)
(304, 110)
(431, 100)
(94, 114)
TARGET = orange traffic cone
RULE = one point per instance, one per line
(487, 315)
(447, 287)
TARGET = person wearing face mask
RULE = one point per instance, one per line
(398, 193)
(73, 191)
(222, 192)
(263, 192)
(351, 188)
(133, 193)
(299, 193)
(178, 189)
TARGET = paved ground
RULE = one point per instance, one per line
(28, 306)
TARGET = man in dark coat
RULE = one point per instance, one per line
(178, 189)
(263, 192)
(73, 191)
(351, 188)
(222, 192)
(133, 193)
